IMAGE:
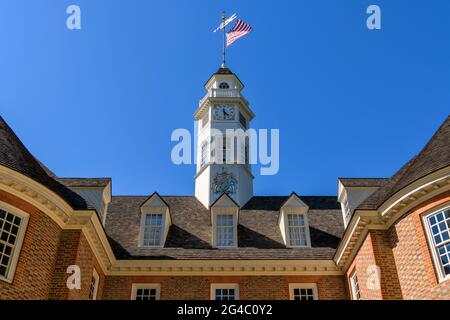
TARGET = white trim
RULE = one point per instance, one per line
(215, 286)
(409, 190)
(97, 280)
(136, 286)
(441, 277)
(11, 270)
(354, 281)
(293, 286)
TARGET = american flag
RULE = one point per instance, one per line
(240, 29)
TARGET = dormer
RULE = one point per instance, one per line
(155, 222)
(97, 191)
(293, 223)
(353, 191)
(224, 222)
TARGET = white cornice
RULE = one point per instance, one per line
(225, 267)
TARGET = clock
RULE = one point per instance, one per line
(223, 112)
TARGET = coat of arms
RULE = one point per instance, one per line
(224, 182)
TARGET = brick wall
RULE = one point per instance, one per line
(414, 263)
(74, 250)
(364, 258)
(250, 287)
(375, 268)
(403, 257)
(37, 258)
(86, 261)
(46, 252)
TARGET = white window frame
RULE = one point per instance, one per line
(312, 286)
(215, 286)
(142, 229)
(136, 286)
(234, 216)
(441, 276)
(288, 237)
(204, 154)
(354, 281)
(11, 270)
(97, 280)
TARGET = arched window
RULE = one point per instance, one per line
(224, 85)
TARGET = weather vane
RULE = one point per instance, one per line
(240, 29)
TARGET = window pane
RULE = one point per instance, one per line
(224, 230)
(225, 294)
(444, 254)
(152, 229)
(204, 154)
(146, 294)
(440, 229)
(9, 230)
(355, 287)
(297, 230)
(303, 294)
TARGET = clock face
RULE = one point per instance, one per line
(223, 112)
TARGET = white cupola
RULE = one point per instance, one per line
(223, 159)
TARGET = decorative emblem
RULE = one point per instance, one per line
(224, 182)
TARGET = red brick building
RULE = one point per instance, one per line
(70, 238)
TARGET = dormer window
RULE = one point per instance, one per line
(224, 218)
(224, 230)
(297, 230)
(152, 230)
(224, 85)
(155, 222)
(294, 224)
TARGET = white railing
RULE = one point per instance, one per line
(224, 93)
(221, 93)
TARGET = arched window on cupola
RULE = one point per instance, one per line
(224, 85)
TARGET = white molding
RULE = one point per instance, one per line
(293, 286)
(224, 267)
(97, 282)
(14, 259)
(429, 180)
(215, 286)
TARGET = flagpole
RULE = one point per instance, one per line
(224, 17)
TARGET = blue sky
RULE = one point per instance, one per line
(104, 100)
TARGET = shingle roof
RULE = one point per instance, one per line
(85, 182)
(363, 182)
(224, 70)
(14, 155)
(434, 156)
(189, 237)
